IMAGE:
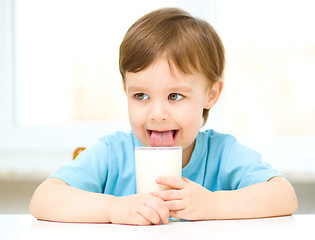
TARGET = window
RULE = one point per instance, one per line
(59, 77)
(270, 67)
(267, 101)
(61, 87)
(67, 60)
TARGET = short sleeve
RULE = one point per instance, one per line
(88, 171)
(242, 167)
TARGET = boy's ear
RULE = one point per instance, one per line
(214, 94)
(124, 85)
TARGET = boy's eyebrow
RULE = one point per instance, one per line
(180, 89)
(173, 89)
(135, 89)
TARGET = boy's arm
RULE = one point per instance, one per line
(194, 202)
(54, 200)
(267, 199)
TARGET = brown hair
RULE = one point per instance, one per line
(190, 43)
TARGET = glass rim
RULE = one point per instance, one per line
(158, 148)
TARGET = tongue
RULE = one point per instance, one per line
(162, 139)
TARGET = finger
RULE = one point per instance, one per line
(176, 214)
(168, 195)
(175, 205)
(149, 214)
(140, 220)
(159, 206)
(173, 182)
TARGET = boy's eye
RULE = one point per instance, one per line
(141, 96)
(175, 96)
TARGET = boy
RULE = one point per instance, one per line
(172, 65)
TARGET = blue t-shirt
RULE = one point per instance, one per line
(218, 162)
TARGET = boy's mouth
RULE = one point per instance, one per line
(162, 138)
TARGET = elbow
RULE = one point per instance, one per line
(291, 200)
(294, 204)
(33, 206)
(33, 211)
(38, 204)
(287, 202)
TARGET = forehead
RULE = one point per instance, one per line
(163, 70)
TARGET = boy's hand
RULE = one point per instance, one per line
(188, 200)
(138, 209)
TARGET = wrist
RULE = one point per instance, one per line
(214, 206)
(110, 209)
(209, 209)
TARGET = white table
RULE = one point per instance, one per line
(292, 227)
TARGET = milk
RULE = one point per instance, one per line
(154, 162)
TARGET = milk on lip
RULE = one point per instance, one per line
(154, 162)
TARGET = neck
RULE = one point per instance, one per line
(187, 154)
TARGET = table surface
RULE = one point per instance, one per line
(26, 226)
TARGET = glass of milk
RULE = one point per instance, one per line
(154, 162)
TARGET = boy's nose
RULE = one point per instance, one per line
(158, 111)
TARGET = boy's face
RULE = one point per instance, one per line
(165, 107)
